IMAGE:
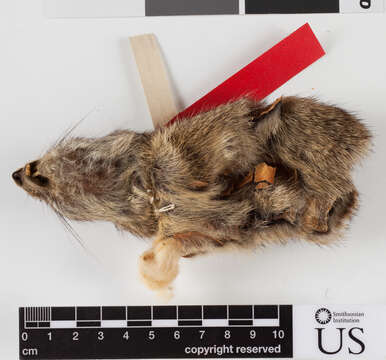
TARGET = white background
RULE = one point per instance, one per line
(54, 72)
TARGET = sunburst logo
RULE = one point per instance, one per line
(323, 316)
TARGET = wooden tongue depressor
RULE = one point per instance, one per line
(154, 78)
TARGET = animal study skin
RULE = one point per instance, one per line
(179, 184)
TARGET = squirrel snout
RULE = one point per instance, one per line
(17, 177)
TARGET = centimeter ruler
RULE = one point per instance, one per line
(203, 331)
(127, 8)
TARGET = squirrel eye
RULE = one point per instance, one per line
(40, 180)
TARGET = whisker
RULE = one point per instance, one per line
(70, 229)
(70, 130)
(76, 236)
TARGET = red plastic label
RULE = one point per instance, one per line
(265, 74)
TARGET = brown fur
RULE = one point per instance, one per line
(173, 183)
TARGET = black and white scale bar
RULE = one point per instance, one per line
(128, 8)
(151, 316)
(228, 331)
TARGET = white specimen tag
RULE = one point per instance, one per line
(361, 6)
(339, 332)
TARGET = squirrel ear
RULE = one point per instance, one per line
(268, 121)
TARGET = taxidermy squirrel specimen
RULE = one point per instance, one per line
(237, 176)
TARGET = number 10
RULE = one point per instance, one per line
(278, 334)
